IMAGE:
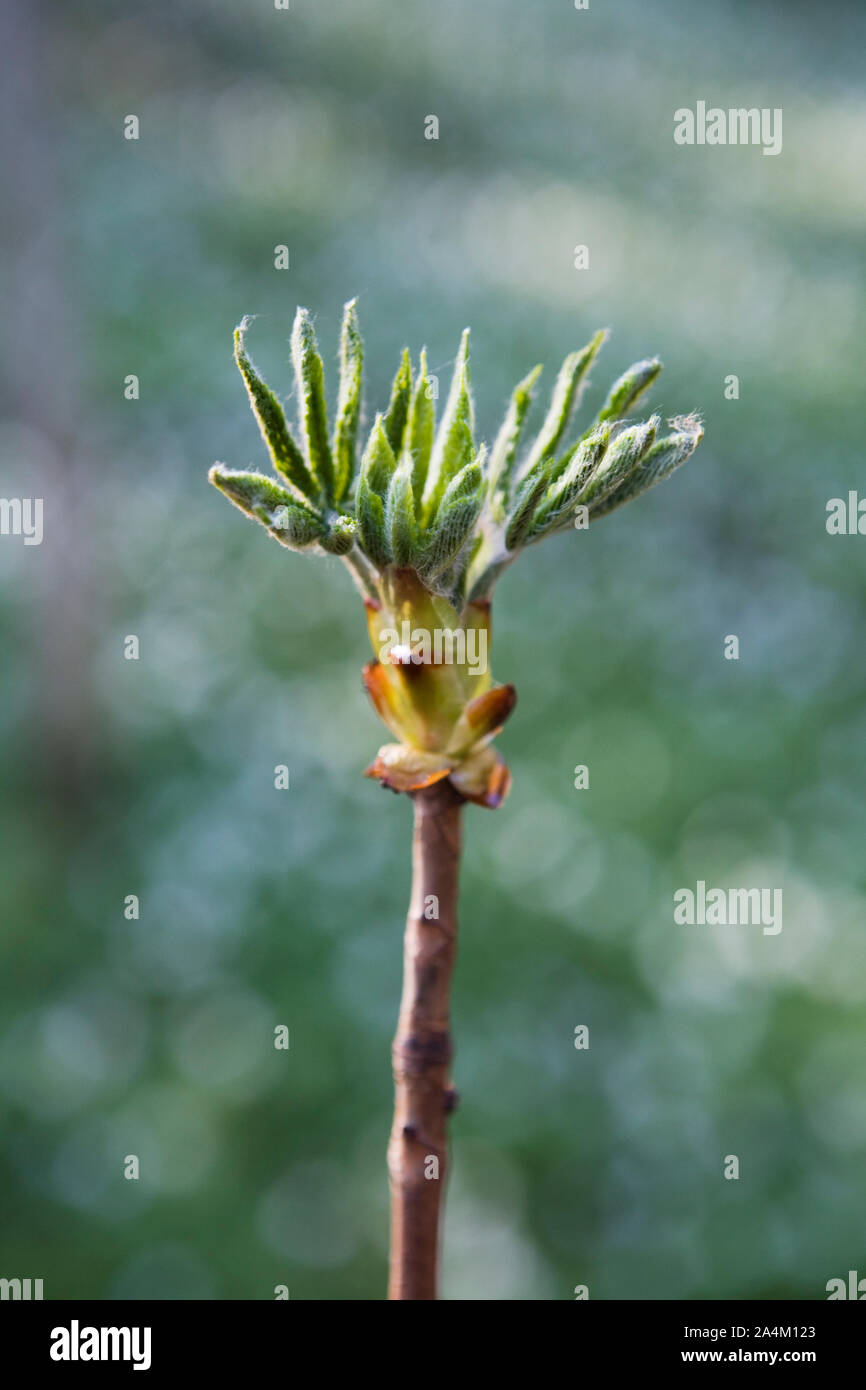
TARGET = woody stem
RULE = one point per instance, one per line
(423, 1094)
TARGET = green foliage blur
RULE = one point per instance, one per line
(154, 1037)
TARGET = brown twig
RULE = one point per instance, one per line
(423, 1094)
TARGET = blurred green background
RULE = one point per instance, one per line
(258, 907)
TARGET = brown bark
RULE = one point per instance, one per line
(424, 1096)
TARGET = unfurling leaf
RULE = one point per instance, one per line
(279, 511)
(348, 401)
(419, 436)
(397, 413)
(453, 448)
(285, 454)
(556, 507)
(621, 458)
(528, 495)
(400, 516)
(310, 383)
(426, 524)
(657, 463)
(566, 396)
(457, 514)
(628, 390)
(378, 463)
(504, 451)
(377, 469)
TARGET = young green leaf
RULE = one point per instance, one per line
(453, 448)
(628, 389)
(285, 454)
(566, 395)
(556, 506)
(348, 401)
(279, 511)
(377, 469)
(400, 516)
(457, 514)
(620, 460)
(378, 463)
(371, 525)
(657, 463)
(526, 499)
(310, 381)
(422, 498)
(504, 451)
(397, 413)
(419, 435)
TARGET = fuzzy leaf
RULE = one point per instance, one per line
(566, 394)
(657, 463)
(378, 463)
(453, 448)
(419, 436)
(504, 451)
(348, 400)
(279, 511)
(629, 388)
(377, 469)
(400, 516)
(371, 525)
(285, 454)
(310, 382)
(423, 499)
(555, 508)
(457, 514)
(621, 459)
(397, 413)
(526, 500)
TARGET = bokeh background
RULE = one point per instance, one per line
(155, 778)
